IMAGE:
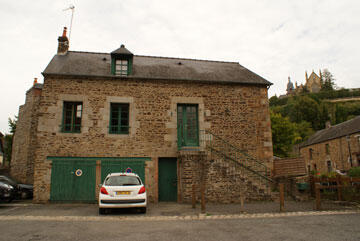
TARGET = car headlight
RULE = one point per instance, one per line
(9, 187)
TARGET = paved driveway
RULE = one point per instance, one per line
(337, 226)
(164, 209)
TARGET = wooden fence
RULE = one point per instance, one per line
(335, 184)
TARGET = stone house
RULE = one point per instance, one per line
(334, 148)
(24, 142)
(171, 120)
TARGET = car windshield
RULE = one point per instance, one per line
(122, 181)
(8, 180)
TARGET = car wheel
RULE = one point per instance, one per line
(101, 211)
(143, 210)
(24, 195)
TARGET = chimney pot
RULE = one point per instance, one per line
(328, 124)
(63, 45)
(64, 32)
(35, 81)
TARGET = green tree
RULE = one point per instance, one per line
(307, 109)
(284, 134)
(12, 124)
(8, 139)
(327, 81)
(303, 131)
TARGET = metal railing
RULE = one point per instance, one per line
(253, 169)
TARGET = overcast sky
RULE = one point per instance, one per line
(273, 38)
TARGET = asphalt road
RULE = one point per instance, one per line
(317, 227)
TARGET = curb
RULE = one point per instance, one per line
(172, 218)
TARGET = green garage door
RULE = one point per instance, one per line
(73, 180)
(111, 166)
(168, 179)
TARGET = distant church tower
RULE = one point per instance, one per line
(313, 82)
(290, 87)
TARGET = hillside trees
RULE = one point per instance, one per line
(305, 114)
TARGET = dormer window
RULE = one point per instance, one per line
(121, 62)
(121, 67)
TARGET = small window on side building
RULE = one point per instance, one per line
(329, 167)
(119, 118)
(311, 154)
(327, 148)
(72, 113)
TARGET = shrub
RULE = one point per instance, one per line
(354, 172)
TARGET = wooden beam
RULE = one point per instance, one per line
(282, 197)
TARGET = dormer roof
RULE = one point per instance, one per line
(121, 51)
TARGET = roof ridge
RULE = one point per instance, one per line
(162, 57)
(204, 60)
(87, 52)
(344, 122)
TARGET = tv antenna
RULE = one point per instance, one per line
(72, 8)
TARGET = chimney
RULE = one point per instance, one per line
(327, 124)
(35, 81)
(63, 45)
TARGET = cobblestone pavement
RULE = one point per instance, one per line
(170, 211)
(169, 218)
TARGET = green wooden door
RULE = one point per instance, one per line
(73, 180)
(112, 166)
(187, 125)
(167, 179)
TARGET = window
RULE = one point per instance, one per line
(72, 113)
(327, 148)
(315, 167)
(119, 118)
(311, 154)
(121, 67)
(328, 163)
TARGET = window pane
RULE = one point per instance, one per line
(119, 118)
(72, 116)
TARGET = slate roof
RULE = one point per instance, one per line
(98, 64)
(343, 129)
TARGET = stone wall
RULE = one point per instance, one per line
(238, 113)
(225, 181)
(338, 154)
(24, 143)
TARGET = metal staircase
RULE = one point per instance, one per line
(236, 162)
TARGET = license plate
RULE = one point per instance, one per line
(123, 193)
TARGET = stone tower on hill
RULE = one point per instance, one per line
(312, 84)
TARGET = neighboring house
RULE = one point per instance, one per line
(170, 120)
(334, 148)
(24, 140)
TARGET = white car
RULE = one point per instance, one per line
(122, 190)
